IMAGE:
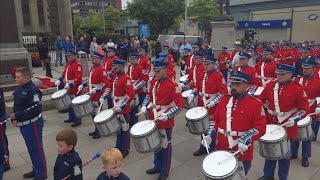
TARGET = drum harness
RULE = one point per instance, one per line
(264, 82)
(191, 61)
(310, 101)
(203, 92)
(135, 83)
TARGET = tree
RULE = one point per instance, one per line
(112, 18)
(161, 15)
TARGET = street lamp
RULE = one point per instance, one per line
(104, 22)
(185, 18)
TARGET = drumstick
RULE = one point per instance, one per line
(156, 119)
(205, 143)
(86, 163)
(235, 153)
(78, 91)
(312, 114)
(100, 107)
(139, 113)
(57, 88)
(206, 105)
(5, 121)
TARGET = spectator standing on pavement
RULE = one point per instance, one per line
(157, 47)
(175, 50)
(44, 56)
(81, 45)
(185, 45)
(110, 43)
(145, 45)
(58, 46)
(67, 46)
(93, 46)
(124, 49)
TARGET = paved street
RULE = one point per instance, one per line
(184, 165)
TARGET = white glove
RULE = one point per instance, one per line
(80, 87)
(67, 86)
(93, 91)
(125, 126)
(143, 109)
(57, 83)
(242, 147)
(183, 62)
(190, 98)
(118, 109)
(101, 100)
(182, 85)
(208, 139)
(163, 117)
(317, 110)
(135, 88)
(290, 123)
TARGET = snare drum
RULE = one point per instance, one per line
(61, 99)
(107, 122)
(227, 169)
(82, 106)
(145, 136)
(274, 144)
(185, 96)
(305, 129)
(198, 120)
(258, 91)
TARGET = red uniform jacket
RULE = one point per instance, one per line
(312, 87)
(122, 87)
(108, 63)
(223, 58)
(290, 95)
(145, 64)
(214, 83)
(170, 58)
(73, 72)
(166, 92)
(196, 79)
(269, 69)
(170, 67)
(190, 63)
(97, 77)
(247, 113)
(135, 74)
(234, 52)
(317, 71)
(296, 54)
(285, 54)
(259, 50)
(251, 72)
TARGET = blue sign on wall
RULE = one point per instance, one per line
(284, 23)
(144, 30)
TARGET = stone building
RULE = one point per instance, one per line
(86, 6)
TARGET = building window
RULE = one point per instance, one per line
(40, 13)
(26, 12)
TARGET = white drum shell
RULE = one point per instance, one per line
(62, 102)
(305, 131)
(275, 149)
(147, 142)
(200, 125)
(110, 125)
(84, 108)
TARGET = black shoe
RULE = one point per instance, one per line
(67, 121)
(152, 171)
(294, 156)
(124, 153)
(92, 133)
(199, 153)
(75, 124)
(305, 162)
(55, 65)
(161, 177)
(314, 139)
(96, 136)
(29, 175)
(266, 178)
(6, 167)
(39, 178)
(61, 64)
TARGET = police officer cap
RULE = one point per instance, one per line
(251, 48)
(209, 59)
(197, 54)
(238, 46)
(284, 68)
(134, 55)
(267, 51)
(71, 52)
(223, 47)
(165, 46)
(159, 63)
(239, 76)
(244, 55)
(96, 55)
(306, 49)
(117, 62)
(310, 62)
(163, 54)
(186, 49)
(112, 49)
(195, 45)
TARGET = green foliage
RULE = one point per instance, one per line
(203, 11)
(112, 18)
(161, 15)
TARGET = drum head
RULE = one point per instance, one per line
(80, 99)
(186, 93)
(273, 132)
(142, 127)
(59, 93)
(304, 121)
(104, 115)
(196, 113)
(184, 78)
(211, 166)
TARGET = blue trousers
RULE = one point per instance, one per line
(1, 171)
(141, 97)
(284, 165)
(72, 116)
(162, 158)
(225, 74)
(211, 146)
(246, 166)
(315, 128)
(3, 136)
(32, 135)
(123, 138)
(133, 117)
(109, 99)
(306, 148)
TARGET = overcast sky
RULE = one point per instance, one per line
(124, 3)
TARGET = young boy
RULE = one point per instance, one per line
(112, 165)
(68, 162)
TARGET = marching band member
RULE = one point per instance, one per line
(3, 135)
(165, 49)
(210, 90)
(266, 69)
(170, 66)
(138, 80)
(206, 49)
(287, 56)
(96, 84)
(161, 94)
(311, 86)
(238, 121)
(144, 61)
(27, 116)
(224, 59)
(235, 54)
(287, 103)
(72, 77)
(190, 60)
(122, 94)
(298, 65)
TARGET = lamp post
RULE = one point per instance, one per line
(185, 18)
(104, 22)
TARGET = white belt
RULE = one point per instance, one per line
(120, 97)
(207, 95)
(282, 114)
(230, 133)
(94, 85)
(311, 101)
(23, 123)
(161, 107)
